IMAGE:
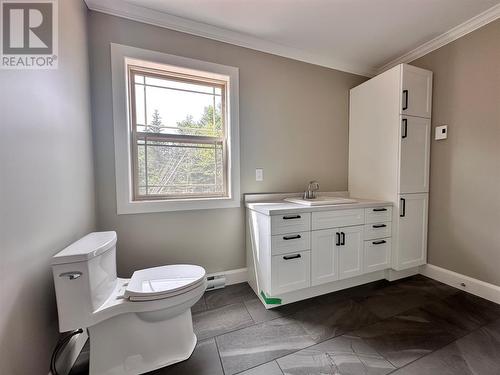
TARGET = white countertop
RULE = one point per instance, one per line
(280, 207)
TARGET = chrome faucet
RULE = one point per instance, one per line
(312, 188)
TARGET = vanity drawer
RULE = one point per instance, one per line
(288, 243)
(338, 218)
(377, 230)
(378, 214)
(377, 254)
(290, 272)
(291, 223)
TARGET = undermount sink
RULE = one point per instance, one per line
(321, 200)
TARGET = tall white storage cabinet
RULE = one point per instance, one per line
(389, 150)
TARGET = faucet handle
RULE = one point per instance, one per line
(313, 185)
(310, 193)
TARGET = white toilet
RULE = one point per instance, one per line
(135, 325)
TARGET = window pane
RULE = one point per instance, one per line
(141, 162)
(174, 168)
(179, 85)
(139, 105)
(181, 112)
(138, 79)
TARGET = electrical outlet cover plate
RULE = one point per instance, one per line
(259, 174)
(441, 132)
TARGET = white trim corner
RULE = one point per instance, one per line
(474, 23)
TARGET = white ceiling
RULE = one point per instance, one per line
(360, 36)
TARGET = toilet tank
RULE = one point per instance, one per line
(84, 277)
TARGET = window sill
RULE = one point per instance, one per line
(149, 206)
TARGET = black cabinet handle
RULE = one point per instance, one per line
(378, 242)
(405, 101)
(296, 237)
(343, 238)
(404, 132)
(376, 226)
(291, 217)
(403, 207)
(379, 209)
(291, 257)
(337, 242)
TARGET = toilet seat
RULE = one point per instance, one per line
(163, 282)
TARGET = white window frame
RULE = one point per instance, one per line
(121, 57)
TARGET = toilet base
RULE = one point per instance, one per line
(135, 343)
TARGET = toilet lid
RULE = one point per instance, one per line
(162, 282)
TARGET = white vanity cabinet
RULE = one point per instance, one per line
(293, 256)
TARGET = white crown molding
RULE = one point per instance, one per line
(464, 28)
(126, 10)
(123, 9)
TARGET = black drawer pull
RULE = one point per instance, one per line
(337, 242)
(378, 242)
(342, 242)
(379, 209)
(291, 217)
(403, 207)
(376, 226)
(291, 257)
(404, 131)
(296, 237)
(405, 95)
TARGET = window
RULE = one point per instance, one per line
(178, 128)
(178, 131)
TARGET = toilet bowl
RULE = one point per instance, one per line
(135, 325)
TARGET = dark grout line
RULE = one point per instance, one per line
(218, 354)
(248, 312)
(277, 363)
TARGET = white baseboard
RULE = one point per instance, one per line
(233, 276)
(69, 354)
(474, 286)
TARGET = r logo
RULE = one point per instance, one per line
(27, 28)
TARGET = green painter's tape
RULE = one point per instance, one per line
(270, 300)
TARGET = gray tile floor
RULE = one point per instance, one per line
(415, 326)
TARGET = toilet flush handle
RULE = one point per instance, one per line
(71, 275)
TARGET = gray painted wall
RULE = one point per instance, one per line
(464, 212)
(293, 121)
(46, 191)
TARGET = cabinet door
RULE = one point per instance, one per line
(377, 255)
(411, 248)
(416, 93)
(351, 252)
(290, 272)
(414, 155)
(324, 256)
